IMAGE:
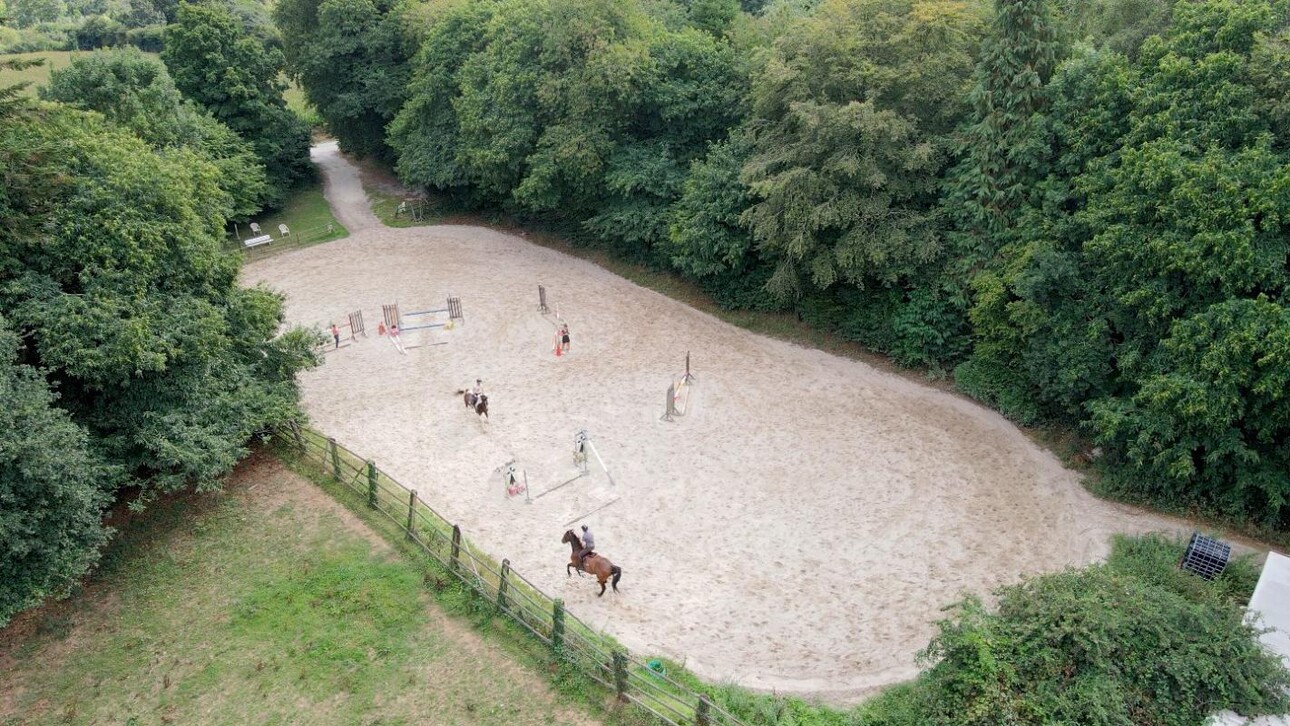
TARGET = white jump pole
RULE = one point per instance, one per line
(602, 461)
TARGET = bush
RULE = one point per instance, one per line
(99, 31)
(150, 39)
(30, 40)
(1134, 641)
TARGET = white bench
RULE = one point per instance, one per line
(263, 239)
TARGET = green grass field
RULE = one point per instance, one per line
(295, 98)
(267, 603)
(35, 75)
(306, 214)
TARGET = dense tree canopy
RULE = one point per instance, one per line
(135, 91)
(1164, 222)
(51, 484)
(851, 128)
(130, 355)
(230, 72)
(351, 58)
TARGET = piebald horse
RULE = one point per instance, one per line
(480, 405)
(597, 565)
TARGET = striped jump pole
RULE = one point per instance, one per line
(453, 310)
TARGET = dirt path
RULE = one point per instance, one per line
(343, 188)
(799, 529)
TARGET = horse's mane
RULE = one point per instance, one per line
(576, 539)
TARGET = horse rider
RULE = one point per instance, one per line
(477, 391)
(588, 544)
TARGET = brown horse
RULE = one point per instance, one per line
(597, 565)
(480, 405)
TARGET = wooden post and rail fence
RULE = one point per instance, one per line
(544, 617)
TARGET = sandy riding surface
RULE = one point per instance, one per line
(798, 529)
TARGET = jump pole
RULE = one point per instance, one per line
(557, 486)
(592, 446)
(542, 308)
(580, 441)
(398, 344)
(453, 310)
(588, 514)
(687, 378)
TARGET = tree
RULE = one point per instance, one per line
(99, 31)
(350, 57)
(1163, 220)
(853, 115)
(215, 63)
(712, 16)
(112, 271)
(52, 485)
(26, 13)
(696, 91)
(1118, 25)
(1001, 149)
(135, 91)
(425, 133)
(1210, 419)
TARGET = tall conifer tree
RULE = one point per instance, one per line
(1002, 151)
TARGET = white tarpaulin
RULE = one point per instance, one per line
(1269, 608)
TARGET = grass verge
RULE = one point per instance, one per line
(266, 603)
(300, 106)
(34, 75)
(306, 214)
(459, 600)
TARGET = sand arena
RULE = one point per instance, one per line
(799, 529)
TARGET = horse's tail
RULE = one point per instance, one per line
(617, 572)
(460, 392)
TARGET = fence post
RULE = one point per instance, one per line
(371, 484)
(456, 546)
(335, 456)
(557, 625)
(300, 439)
(412, 506)
(701, 717)
(501, 585)
(620, 675)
